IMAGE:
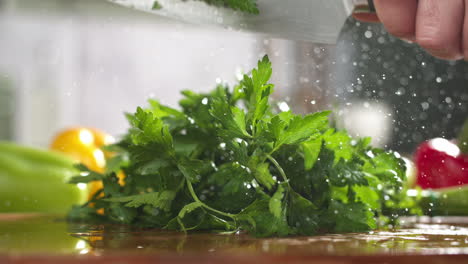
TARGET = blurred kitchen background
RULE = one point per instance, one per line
(84, 62)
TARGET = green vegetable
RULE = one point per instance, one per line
(248, 6)
(444, 201)
(32, 180)
(463, 139)
(228, 161)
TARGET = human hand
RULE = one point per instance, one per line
(439, 26)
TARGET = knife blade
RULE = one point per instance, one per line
(318, 21)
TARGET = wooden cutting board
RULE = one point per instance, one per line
(32, 238)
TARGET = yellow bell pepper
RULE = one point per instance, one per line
(84, 146)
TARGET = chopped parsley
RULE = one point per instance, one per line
(228, 161)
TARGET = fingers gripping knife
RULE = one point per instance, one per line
(318, 21)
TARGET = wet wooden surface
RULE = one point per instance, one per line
(49, 239)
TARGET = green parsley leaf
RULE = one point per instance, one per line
(301, 129)
(386, 166)
(340, 143)
(156, 6)
(152, 166)
(148, 129)
(276, 203)
(117, 162)
(347, 173)
(160, 200)
(257, 90)
(303, 215)
(311, 151)
(259, 221)
(352, 217)
(263, 175)
(232, 118)
(192, 169)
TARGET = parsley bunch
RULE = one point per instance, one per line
(247, 6)
(228, 162)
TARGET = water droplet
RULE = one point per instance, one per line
(304, 80)
(283, 106)
(239, 73)
(425, 105)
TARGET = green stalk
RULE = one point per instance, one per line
(279, 168)
(463, 139)
(195, 197)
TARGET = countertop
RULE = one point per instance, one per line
(34, 238)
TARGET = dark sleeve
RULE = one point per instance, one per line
(429, 97)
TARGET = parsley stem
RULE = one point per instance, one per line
(195, 197)
(279, 168)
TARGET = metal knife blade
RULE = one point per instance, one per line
(318, 21)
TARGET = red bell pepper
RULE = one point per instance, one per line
(441, 163)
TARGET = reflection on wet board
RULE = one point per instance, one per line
(49, 235)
